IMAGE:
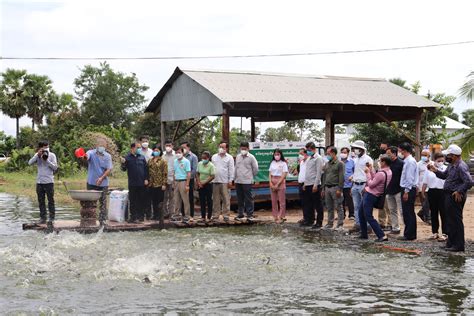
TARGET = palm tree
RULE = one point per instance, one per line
(41, 98)
(12, 97)
(467, 141)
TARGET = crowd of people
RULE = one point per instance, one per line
(161, 184)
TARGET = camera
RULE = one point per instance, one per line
(44, 154)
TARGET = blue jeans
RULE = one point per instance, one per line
(357, 191)
(365, 216)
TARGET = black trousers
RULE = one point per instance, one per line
(301, 196)
(409, 216)
(347, 202)
(244, 199)
(102, 201)
(191, 199)
(147, 202)
(157, 196)
(312, 201)
(454, 220)
(42, 190)
(205, 199)
(136, 196)
(437, 207)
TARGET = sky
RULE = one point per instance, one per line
(103, 28)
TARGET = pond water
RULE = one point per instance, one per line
(216, 270)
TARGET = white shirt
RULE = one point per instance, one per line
(224, 168)
(277, 168)
(422, 167)
(432, 181)
(360, 163)
(301, 174)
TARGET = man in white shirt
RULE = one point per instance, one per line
(424, 213)
(359, 178)
(301, 171)
(435, 187)
(312, 188)
(168, 202)
(146, 152)
(246, 168)
(222, 182)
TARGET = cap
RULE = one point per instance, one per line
(453, 150)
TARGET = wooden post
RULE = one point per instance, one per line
(418, 136)
(225, 125)
(163, 140)
(252, 129)
(329, 130)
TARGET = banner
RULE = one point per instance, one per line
(263, 152)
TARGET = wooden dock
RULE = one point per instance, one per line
(72, 225)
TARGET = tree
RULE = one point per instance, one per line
(40, 98)
(12, 96)
(468, 117)
(467, 89)
(109, 97)
(7, 143)
(306, 129)
(279, 134)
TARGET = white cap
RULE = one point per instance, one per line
(453, 150)
(359, 144)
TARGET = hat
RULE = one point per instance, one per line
(453, 150)
(359, 144)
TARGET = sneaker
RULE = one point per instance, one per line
(250, 218)
(442, 237)
(185, 220)
(282, 220)
(317, 226)
(387, 229)
(433, 237)
(352, 218)
(328, 226)
(239, 218)
(42, 221)
(394, 232)
(382, 239)
(421, 215)
(354, 229)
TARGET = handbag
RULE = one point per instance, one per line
(380, 202)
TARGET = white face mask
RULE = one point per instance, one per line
(221, 150)
(168, 149)
(357, 151)
(244, 152)
(179, 155)
(300, 157)
(353, 154)
(400, 155)
(343, 156)
(439, 164)
(185, 151)
(145, 145)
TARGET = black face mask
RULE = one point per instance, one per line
(449, 159)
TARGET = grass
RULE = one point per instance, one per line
(24, 183)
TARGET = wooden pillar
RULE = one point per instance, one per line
(225, 126)
(252, 129)
(418, 136)
(162, 134)
(329, 130)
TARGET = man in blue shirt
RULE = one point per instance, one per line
(408, 184)
(182, 177)
(458, 182)
(98, 170)
(193, 160)
(349, 171)
(137, 171)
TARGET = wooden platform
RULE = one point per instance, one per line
(70, 225)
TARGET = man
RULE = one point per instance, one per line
(193, 159)
(182, 178)
(98, 170)
(312, 183)
(146, 151)
(168, 202)
(384, 217)
(359, 178)
(333, 185)
(301, 169)
(246, 168)
(47, 165)
(224, 164)
(393, 198)
(408, 183)
(348, 172)
(137, 172)
(424, 213)
(458, 182)
(383, 148)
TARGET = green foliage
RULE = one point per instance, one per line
(467, 144)
(109, 97)
(467, 89)
(28, 137)
(468, 117)
(40, 98)
(19, 159)
(7, 143)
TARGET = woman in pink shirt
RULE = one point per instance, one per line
(375, 187)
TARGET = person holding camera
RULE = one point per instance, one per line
(47, 165)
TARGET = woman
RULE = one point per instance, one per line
(375, 187)
(278, 172)
(158, 173)
(436, 198)
(204, 176)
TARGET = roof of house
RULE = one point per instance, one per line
(452, 124)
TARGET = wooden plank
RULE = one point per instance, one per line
(226, 126)
(328, 131)
(252, 129)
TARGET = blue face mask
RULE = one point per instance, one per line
(424, 158)
(309, 152)
(329, 158)
(155, 153)
(205, 161)
(139, 151)
(101, 149)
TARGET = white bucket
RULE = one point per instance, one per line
(118, 203)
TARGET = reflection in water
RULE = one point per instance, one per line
(235, 270)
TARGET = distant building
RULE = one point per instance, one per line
(452, 128)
